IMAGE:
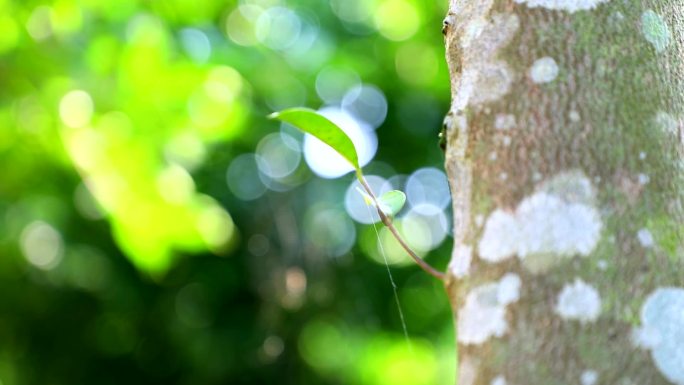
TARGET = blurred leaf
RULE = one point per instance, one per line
(319, 126)
(391, 202)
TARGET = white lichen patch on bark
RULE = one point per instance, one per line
(673, 129)
(551, 228)
(558, 221)
(494, 81)
(473, 32)
(645, 337)
(548, 224)
(574, 116)
(504, 122)
(578, 301)
(485, 78)
(643, 179)
(662, 331)
(484, 314)
(571, 186)
(602, 264)
(589, 377)
(467, 372)
(500, 239)
(459, 266)
(655, 30)
(645, 238)
(563, 5)
(544, 70)
(508, 290)
(666, 123)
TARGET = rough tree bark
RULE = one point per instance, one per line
(565, 154)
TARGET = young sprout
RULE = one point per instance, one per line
(387, 205)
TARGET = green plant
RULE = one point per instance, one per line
(387, 205)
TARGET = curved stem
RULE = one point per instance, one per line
(388, 222)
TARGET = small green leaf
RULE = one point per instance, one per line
(319, 126)
(391, 202)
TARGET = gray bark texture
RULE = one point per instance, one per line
(565, 155)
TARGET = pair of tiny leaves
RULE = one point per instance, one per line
(313, 123)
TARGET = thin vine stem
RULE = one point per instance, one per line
(388, 222)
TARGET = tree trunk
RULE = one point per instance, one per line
(565, 154)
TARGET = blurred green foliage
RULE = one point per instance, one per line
(141, 238)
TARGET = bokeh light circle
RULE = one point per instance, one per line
(332, 83)
(185, 149)
(175, 185)
(278, 155)
(352, 11)
(196, 44)
(41, 245)
(397, 20)
(428, 185)
(330, 230)
(425, 226)
(240, 24)
(214, 224)
(76, 108)
(241, 178)
(278, 28)
(366, 102)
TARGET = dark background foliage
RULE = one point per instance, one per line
(129, 250)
